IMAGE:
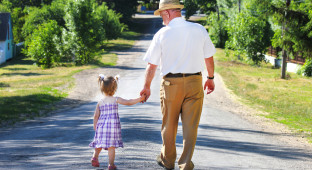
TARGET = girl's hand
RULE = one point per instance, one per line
(143, 98)
(94, 127)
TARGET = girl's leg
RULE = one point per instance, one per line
(97, 152)
(111, 156)
(95, 158)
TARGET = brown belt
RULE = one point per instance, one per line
(181, 74)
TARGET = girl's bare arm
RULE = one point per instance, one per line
(96, 116)
(130, 101)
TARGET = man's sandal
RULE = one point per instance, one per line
(95, 162)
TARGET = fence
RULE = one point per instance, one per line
(298, 59)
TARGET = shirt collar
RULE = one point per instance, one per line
(176, 21)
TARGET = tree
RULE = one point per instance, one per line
(191, 8)
(42, 47)
(5, 6)
(125, 7)
(18, 20)
(23, 3)
(293, 34)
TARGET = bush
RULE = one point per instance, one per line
(307, 68)
(42, 47)
(250, 35)
(37, 16)
(109, 21)
(83, 31)
(217, 30)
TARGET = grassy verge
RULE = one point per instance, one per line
(27, 91)
(287, 101)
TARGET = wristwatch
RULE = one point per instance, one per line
(210, 77)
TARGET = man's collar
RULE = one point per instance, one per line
(175, 21)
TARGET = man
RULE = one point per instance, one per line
(181, 49)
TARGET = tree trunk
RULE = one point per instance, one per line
(284, 66)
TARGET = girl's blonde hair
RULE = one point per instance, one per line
(108, 85)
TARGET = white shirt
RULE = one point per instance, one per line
(180, 47)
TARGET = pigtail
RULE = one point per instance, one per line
(101, 79)
(117, 77)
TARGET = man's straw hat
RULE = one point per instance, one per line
(168, 4)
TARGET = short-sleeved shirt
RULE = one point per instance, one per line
(180, 47)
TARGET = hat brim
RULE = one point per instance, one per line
(157, 12)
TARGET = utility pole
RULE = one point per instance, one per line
(239, 6)
(284, 65)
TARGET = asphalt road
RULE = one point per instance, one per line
(225, 140)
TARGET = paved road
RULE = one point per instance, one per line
(225, 140)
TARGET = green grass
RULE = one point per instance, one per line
(27, 91)
(287, 101)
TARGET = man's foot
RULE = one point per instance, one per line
(95, 162)
(160, 163)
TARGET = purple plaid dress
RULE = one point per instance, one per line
(108, 129)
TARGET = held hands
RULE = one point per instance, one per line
(142, 98)
(209, 85)
(146, 92)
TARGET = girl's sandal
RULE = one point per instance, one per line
(112, 167)
(95, 162)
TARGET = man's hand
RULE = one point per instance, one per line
(209, 85)
(146, 92)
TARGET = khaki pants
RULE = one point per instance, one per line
(181, 95)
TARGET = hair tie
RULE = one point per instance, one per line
(117, 77)
(102, 76)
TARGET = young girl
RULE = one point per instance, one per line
(106, 121)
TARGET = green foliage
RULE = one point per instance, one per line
(109, 21)
(42, 46)
(295, 21)
(205, 6)
(5, 6)
(37, 16)
(83, 31)
(125, 7)
(250, 35)
(82, 25)
(18, 19)
(191, 8)
(23, 3)
(306, 69)
(217, 30)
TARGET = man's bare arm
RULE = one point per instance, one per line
(210, 66)
(149, 75)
